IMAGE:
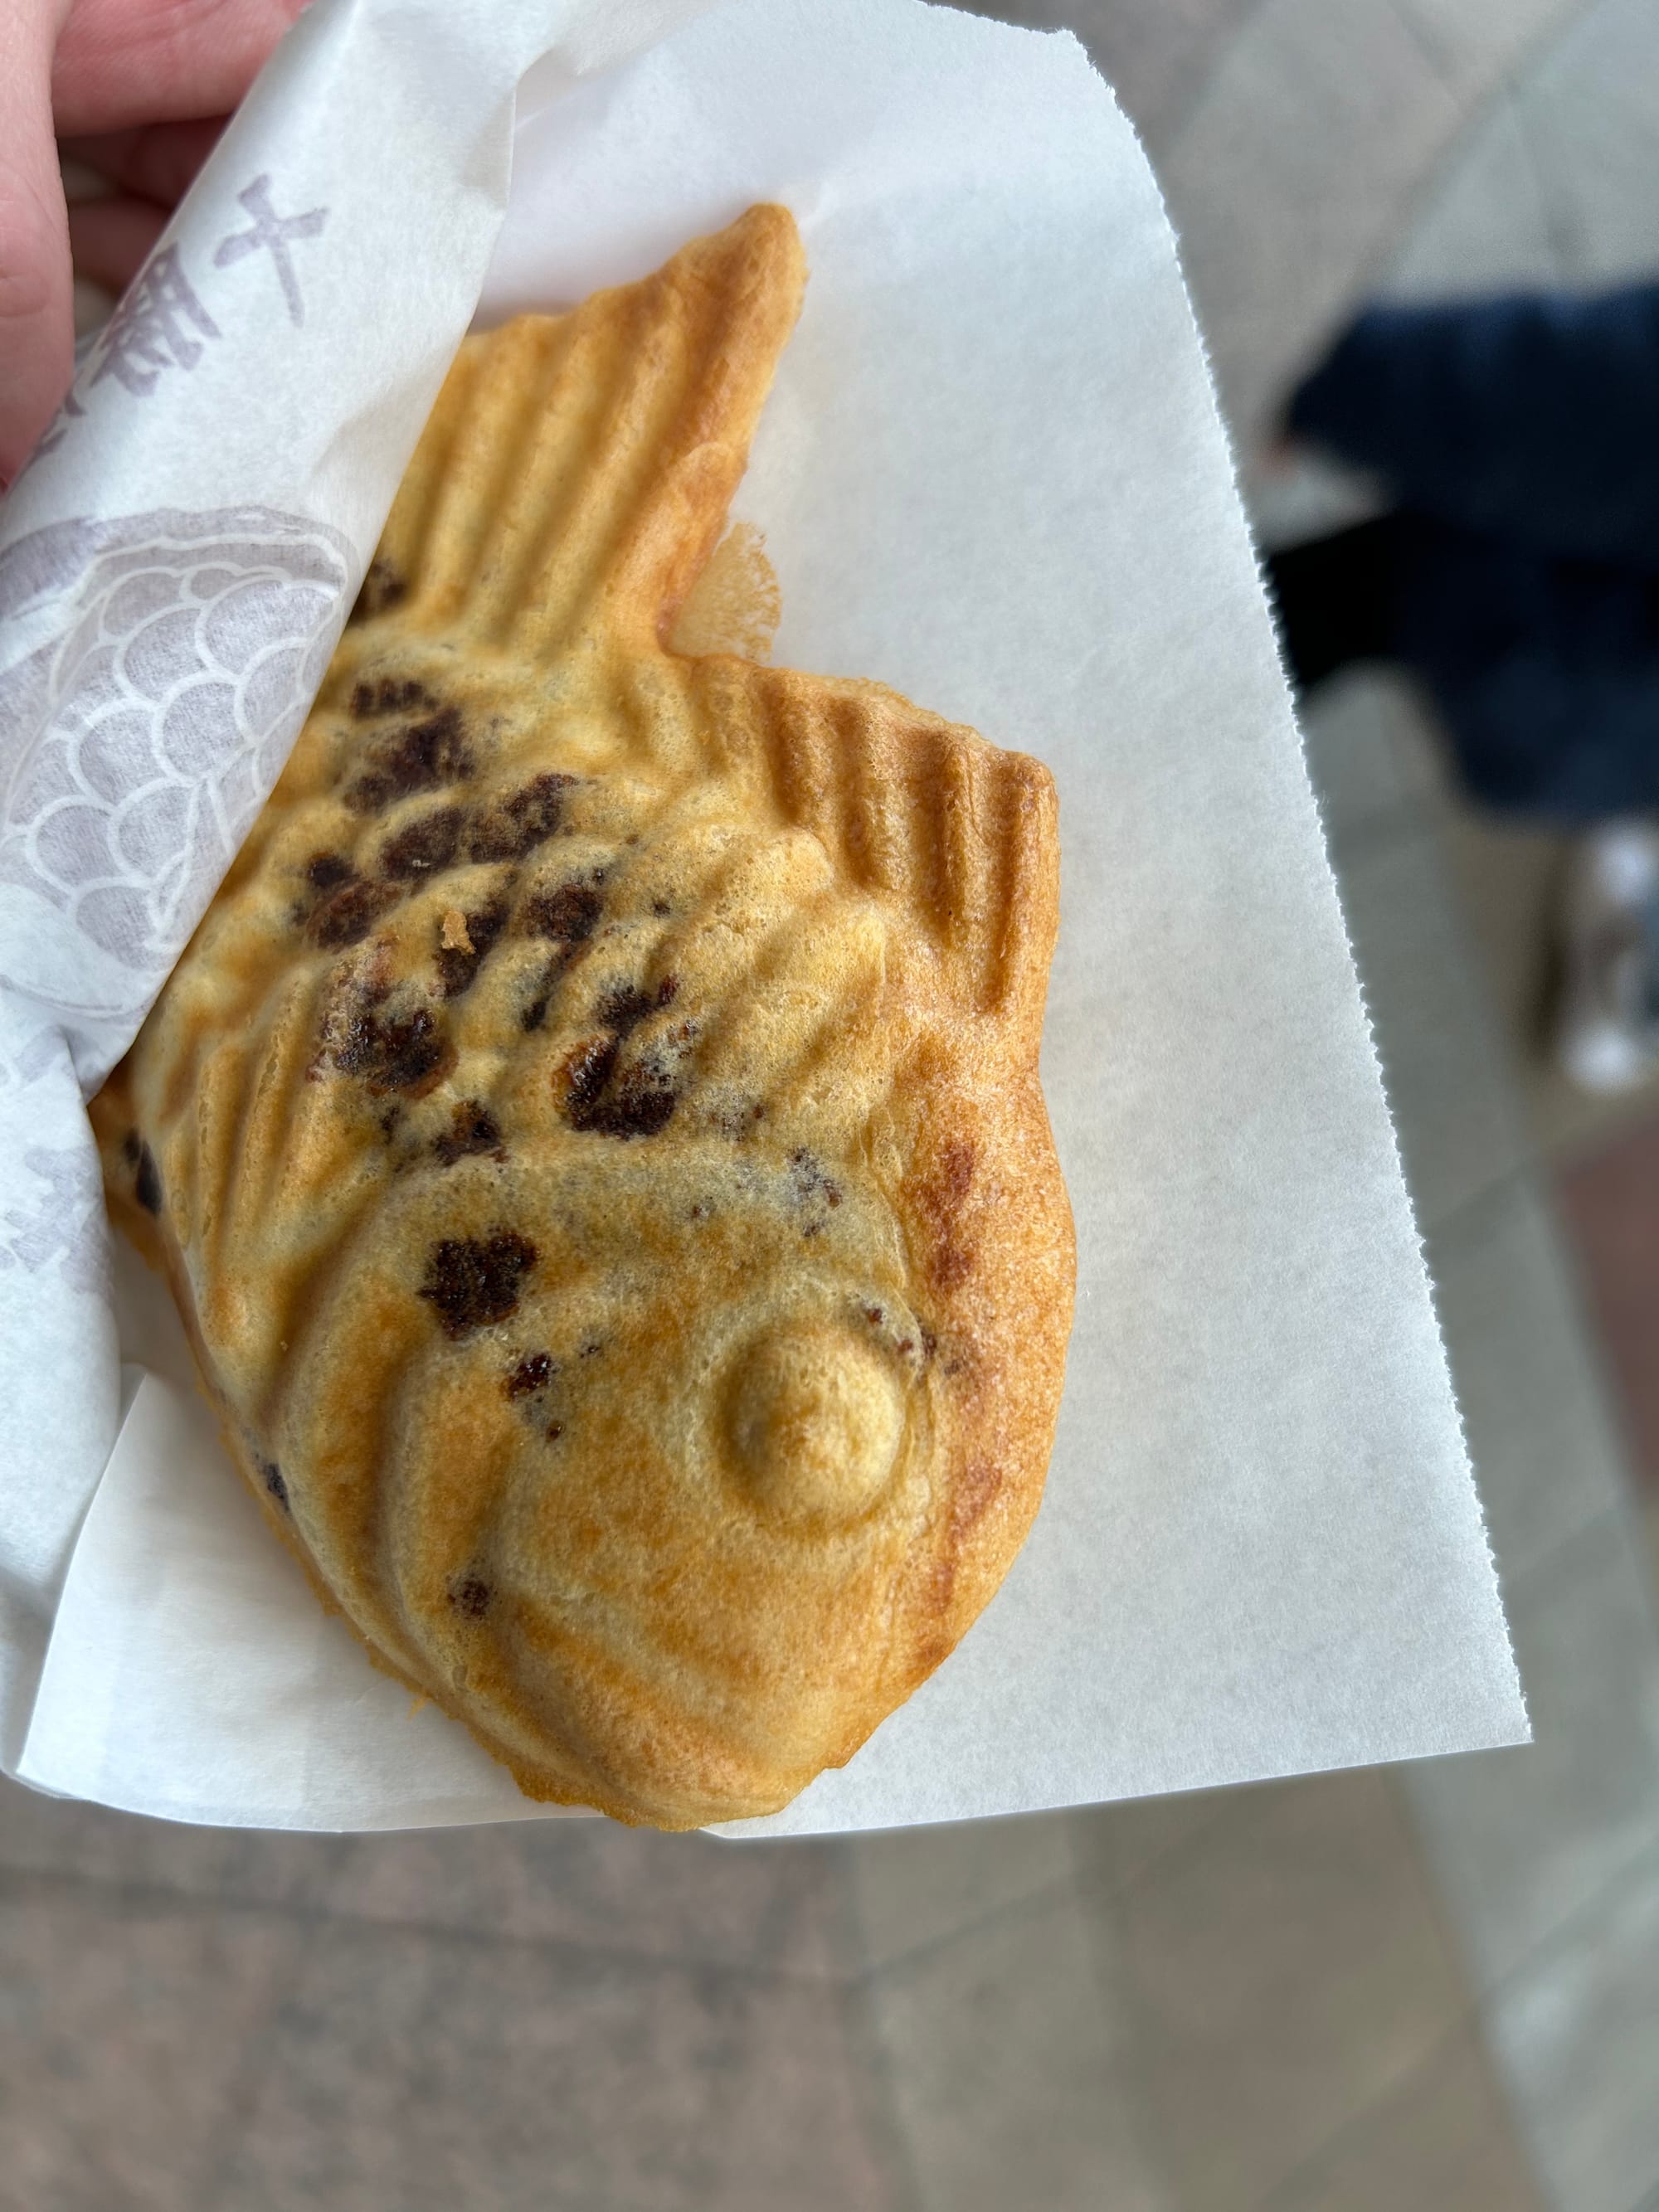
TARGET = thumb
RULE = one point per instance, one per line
(37, 341)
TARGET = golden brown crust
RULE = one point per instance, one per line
(594, 1135)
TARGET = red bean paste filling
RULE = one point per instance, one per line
(533, 1372)
(516, 825)
(389, 695)
(623, 1010)
(534, 1014)
(473, 1281)
(472, 1596)
(568, 915)
(426, 848)
(457, 967)
(381, 590)
(472, 1128)
(271, 1475)
(327, 871)
(642, 1100)
(424, 756)
(815, 1192)
(348, 915)
(407, 1052)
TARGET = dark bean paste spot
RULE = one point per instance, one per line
(472, 1128)
(533, 1372)
(472, 1596)
(382, 589)
(516, 825)
(327, 871)
(623, 1009)
(568, 915)
(814, 1191)
(271, 1475)
(473, 1281)
(455, 969)
(408, 1053)
(129, 1144)
(391, 695)
(534, 1012)
(426, 847)
(660, 906)
(873, 1314)
(422, 757)
(738, 1121)
(640, 1104)
(555, 1431)
(589, 1068)
(348, 916)
(147, 1183)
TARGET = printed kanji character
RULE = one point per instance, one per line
(271, 233)
(150, 331)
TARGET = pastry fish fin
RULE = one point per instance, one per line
(959, 836)
(576, 469)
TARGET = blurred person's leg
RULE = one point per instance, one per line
(1545, 671)
(1534, 416)
(1520, 583)
(1335, 599)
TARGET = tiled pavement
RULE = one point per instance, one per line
(1358, 1993)
(1027, 2014)
(1544, 1861)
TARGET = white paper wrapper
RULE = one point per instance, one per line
(992, 474)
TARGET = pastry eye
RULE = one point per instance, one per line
(814, 1419)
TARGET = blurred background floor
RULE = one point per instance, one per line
(1432, 1988)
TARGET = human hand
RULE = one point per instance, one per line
(138, 90)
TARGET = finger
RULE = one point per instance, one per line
(110, 240)
(157, 164)
(36, 322)
(120, 62)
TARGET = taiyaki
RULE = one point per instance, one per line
(594, 1135)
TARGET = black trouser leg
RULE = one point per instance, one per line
(1336, 598)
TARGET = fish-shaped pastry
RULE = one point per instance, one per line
(594, 1135)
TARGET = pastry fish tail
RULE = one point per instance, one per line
(576, 469)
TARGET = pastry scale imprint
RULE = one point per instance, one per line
(594, 1135)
